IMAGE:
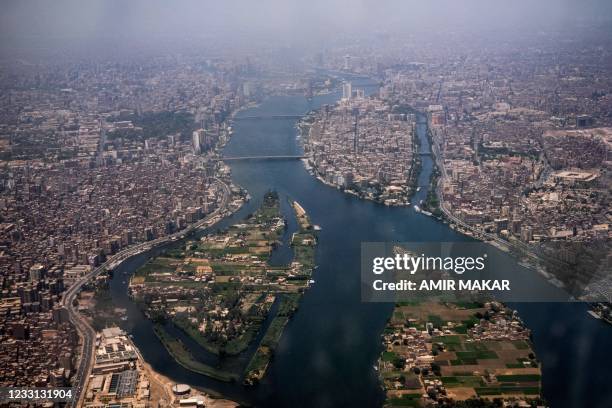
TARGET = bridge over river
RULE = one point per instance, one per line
(272, 157)
(267, 117)
(276, 157)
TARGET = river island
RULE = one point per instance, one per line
(222, 294)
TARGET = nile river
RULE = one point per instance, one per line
(326, 355)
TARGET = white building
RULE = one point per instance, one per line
(347, 90)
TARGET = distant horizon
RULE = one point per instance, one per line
(38, 23)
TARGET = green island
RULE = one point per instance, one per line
(463, 354)
(303, 243)
(222, 292)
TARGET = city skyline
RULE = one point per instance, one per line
(187, 190)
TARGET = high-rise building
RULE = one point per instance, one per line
(204, 140)
(347, 90)
(195, 138)
(246, 89)
(37, 272)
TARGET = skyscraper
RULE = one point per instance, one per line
(347, 90)
(196, 142)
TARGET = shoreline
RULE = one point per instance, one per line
(313, 171)
(213, 399)
(85, 330)
(505, 246)
(528, 256)
(173, 346)
(127, 254)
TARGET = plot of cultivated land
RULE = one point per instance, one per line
(260, 249)
(461, 393)
(138, 280)
(159, 266)
(463, 381)
(227, 268)
(496, 356)
(211, 246)
(411, 381)
(249, 300)
(463, 368)
(255, 237)
(178, 284)
(219, 273)
(466, 367)
(426, 311)
(404, 400)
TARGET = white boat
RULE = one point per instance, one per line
(311, 281)
(594, 314)
(417, 208)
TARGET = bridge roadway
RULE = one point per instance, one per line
(285, 157)
(83, 327)
(262, 117)
(239, 158)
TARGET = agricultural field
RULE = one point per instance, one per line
(441, 352)
(221, 291)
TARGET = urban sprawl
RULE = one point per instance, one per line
(104, 159)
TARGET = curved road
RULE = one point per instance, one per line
(85, 330)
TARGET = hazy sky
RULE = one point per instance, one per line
(286, 19)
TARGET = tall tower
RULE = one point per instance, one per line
(195, 136)
(347, 90)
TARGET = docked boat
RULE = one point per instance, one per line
(594, 314)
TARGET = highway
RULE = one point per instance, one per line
(85, 330)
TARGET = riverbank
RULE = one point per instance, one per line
(331, 343)
(162, 392)
(303, 243)
(525, 255)
(184, 357)
(428, 196)
(374, 153)
(222, 294)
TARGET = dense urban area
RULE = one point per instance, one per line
(521, 137)
(104, 158)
